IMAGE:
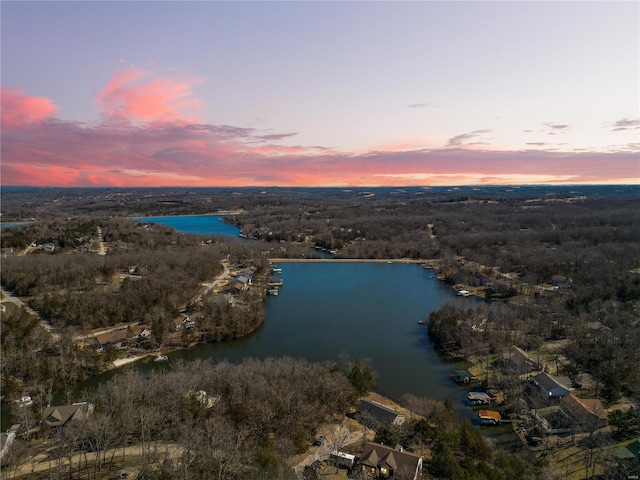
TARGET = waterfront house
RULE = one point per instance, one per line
(381, 461)
(122, 336)
(462, 376)
(377, 413)
(236, 286)
(479, 398)
(489, 417)
(246, 278)
(552, 387)
(517, 359)
(60, 415)
(111, 338)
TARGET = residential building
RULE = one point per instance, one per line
(60, 415)
(588, 413)
(381, 461)
(489, 417)
(517, 359)
(123, 335)
(552, 387)
(462, 376)
(378, 413)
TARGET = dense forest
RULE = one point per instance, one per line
(558, 266)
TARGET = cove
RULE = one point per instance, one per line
(362, 310)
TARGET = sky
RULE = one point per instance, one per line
(331, 93)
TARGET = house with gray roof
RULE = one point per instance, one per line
(381, 461)
(552, 387)
(376, 413)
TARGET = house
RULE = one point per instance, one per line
(378, 413)
(479, 398)
(517, 359)
(117, 337)
(112, 338)
(630, 453)
(381, 461)
(462, 376)
(240, 283)
(60, 415)
(489, 417)
(236, 286)
(246, 278)
(586, 412)
(552, 387)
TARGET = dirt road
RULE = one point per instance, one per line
(132, 454)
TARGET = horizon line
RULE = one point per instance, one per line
(471, 185)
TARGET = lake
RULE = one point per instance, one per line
(12, 224)
(202, 224)
(365, 310)
(328, 309)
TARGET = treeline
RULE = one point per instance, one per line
(203, 420)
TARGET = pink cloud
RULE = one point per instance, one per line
(19, 109)
(136, 95)
(143, 139)
(119, 153)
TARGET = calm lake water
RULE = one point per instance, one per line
(364, 310)
(202, 224)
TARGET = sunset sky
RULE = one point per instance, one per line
(330, 93)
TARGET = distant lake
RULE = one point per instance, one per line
(202, 224)
(12, 224)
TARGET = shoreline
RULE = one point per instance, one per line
(348, 260)
(220, 213)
